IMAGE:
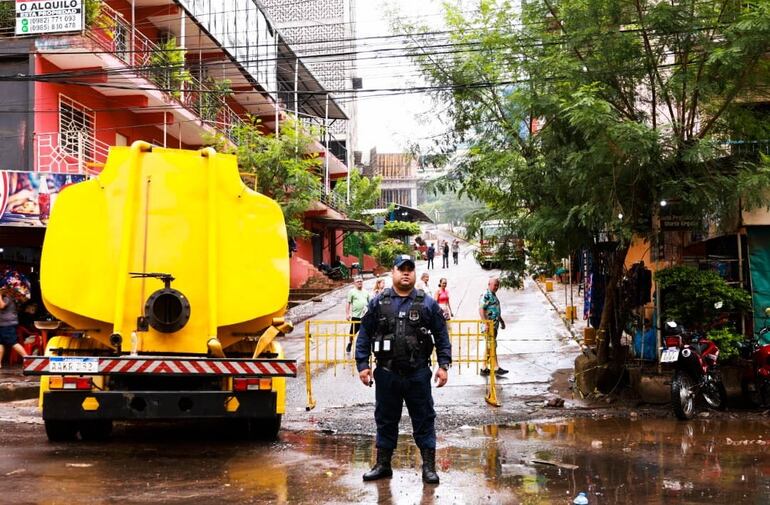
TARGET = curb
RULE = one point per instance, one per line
(575, 335)
(10, 392)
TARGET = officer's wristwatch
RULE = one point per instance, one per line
(445, 366)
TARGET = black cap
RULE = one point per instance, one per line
(401, 259)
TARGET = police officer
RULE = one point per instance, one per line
(401, 327)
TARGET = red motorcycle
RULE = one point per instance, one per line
(755, 377)
(696, 374)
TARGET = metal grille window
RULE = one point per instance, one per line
(76, 124)
(120, 39)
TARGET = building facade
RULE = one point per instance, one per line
(174, 73)
(399, 172)
(322, 32)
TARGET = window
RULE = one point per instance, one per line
(76, 127)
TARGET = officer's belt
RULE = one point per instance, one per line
(387, 365)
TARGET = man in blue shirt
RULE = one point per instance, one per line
(401, 327)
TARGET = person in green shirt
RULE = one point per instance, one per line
(358, 300)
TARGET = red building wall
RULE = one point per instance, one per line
(111, 116)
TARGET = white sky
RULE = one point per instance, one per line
(392, 123)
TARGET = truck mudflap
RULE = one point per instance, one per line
(158, 405)
(159, 365)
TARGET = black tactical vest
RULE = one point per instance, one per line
(402, 340)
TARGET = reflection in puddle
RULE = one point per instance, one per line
(612, 460)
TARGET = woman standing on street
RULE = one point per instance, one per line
(379, 287)
(442, 298)
(8, 322)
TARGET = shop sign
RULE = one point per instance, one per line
(26, 198)
(51, 16)
(674, 221)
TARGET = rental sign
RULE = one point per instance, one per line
(52, 16)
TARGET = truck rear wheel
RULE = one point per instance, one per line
(263, 429)
(95, 430)
(61, 431)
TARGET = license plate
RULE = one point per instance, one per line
(669, 355)
(59, 364)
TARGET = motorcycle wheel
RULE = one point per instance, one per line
(683, 395)
(714, 394)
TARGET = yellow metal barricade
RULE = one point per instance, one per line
(473, 345)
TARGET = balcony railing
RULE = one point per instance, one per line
(117, 36)
(69, 153)
(335, 202)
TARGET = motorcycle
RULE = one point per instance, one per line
(696, 374)
(755, 376)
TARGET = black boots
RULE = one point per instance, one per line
(429, 475)
(382, 469)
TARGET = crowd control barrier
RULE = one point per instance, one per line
(473, 348)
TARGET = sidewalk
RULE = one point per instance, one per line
(557, 300)
(15, 386)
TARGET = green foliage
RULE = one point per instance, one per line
(451, 207)
(728, 342)
(213, 100)
(542, 259)
(688, 297)
(576, 117)
(364, 193)
(7, 15)
(398, 229)
(93, 17)
(386, 250)
(280, 166)
(167, 67)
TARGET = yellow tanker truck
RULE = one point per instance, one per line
(172, 278)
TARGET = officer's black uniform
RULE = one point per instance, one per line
(402, 332)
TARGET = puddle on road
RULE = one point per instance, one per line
(613, 460)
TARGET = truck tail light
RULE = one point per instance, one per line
(251, 384)
(70, 383)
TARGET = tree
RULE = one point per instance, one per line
(450, 206)
(400, 229)
(579, 116)
(283, 167)
(364, 193)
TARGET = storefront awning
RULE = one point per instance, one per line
(343, 224)
(401, 213)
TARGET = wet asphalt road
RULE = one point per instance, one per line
(516, 453)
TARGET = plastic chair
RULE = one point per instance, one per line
(33, 347)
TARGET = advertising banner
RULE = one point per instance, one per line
(26, 198)
(48, 16)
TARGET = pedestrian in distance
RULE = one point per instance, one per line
(358, 299)
(489, 309)
(9, 320)
(401, 328)
(379, 287)
(423, 282)
(456, 251)
(445, 255)
(442, 298)
(431, 255)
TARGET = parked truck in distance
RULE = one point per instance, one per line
(171, 279)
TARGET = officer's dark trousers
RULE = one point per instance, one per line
(392, 390)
